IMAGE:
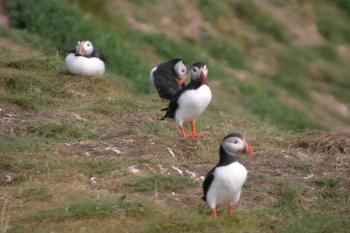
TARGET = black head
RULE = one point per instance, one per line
(84, 48)
(231, 146)
(199, 72)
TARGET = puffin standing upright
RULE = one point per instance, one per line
(84, 59)
(191, 101)
(223, 183)
(169, 77)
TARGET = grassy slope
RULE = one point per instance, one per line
(71, 170)
(57, 135)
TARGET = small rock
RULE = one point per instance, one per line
(93, 180)
(8, 179)
(133, 169)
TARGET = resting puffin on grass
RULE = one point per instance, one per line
(191, 101)
(84, 59)
(223, 183)
(169, 77)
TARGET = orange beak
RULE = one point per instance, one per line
(203, 77)
(181, 82)
(81, 49)
(249, 149)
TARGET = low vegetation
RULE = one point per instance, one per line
(88, 154)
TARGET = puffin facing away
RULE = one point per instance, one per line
(169, 77)
(191, 101)
(223, 183)
(84, 59)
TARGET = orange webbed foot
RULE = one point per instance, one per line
(213, 213)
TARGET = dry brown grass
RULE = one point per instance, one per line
(323, 142)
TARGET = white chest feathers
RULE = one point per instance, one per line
(85, 66)
(192, 104)
(226, 185)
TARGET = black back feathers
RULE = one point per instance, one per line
(165, 79)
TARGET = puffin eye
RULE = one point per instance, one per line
(235, 141)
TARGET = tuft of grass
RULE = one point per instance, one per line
(328, 182)
(27, 102)
(300, 164)
(291, 198)
(160, 183)
(186, 220)
(159, 129)
(315, 221)
(35, 193)
(36, 63)
(91, 208)
(63, 130)
(11, 143)
(100, 166)
(117, 105)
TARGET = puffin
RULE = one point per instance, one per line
(84, 59)
(191, 101)
(222, 185)
(169, 77)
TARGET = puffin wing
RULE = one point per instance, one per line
(171, 109)
(207, 182)
(173, 105)
(99, 55)
(165, 82)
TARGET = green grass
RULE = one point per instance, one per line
(213, 11)
(35, 193)
(250, 12)
(328, 182)
(90, 208)
(291, 197)
(224, 52)
(63, 130)
(64, 24)
(51, 189)
(12, 143)
(160, 183)
(266, 105)
(343, 5)
(314, 222)
(333, 29)
(167, 47)
(102, 166)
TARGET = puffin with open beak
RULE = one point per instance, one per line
(223, 184)
(191, 101)
(169, 77)
(84, 59)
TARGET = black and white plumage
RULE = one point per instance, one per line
(191, 101)
(223, 183)
(169, 77)
(84, 59)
